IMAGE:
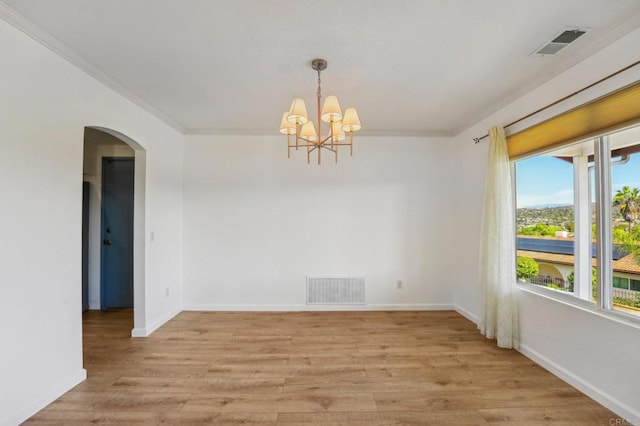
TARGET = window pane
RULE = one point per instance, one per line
(625, 184)
(545, 221)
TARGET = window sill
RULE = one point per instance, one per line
(583, 305)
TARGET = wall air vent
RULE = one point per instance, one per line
(560, 41)
(335, 291)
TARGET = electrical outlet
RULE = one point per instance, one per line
(399, 285)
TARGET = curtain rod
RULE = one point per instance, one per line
(476, 140)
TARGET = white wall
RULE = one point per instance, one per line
(594, 353)
(256, 223)
(588, 350)
(46, 104)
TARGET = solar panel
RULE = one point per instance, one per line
(560, 247)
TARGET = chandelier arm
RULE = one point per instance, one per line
(330, 133)
(330, 149)
(351, 142)
(325, 139)
(302, 138)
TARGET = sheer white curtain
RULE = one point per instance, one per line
(497, 254)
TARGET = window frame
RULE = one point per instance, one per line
(604, 241)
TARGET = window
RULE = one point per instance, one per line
(624, 161)
(619, 282)
(545, 222)
(577, 212)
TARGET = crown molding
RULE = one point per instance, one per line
(36, 33)
(231, 132)
(368, 133)
(407, 133)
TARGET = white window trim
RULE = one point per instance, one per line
(582, 228)
(604, 246)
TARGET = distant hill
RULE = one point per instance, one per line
(552, 215)
(551, 205)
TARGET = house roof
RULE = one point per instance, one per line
(626, 264)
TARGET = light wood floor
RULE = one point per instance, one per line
(329, 368)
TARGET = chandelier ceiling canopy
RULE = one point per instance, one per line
(340, 126)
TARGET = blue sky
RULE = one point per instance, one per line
(546, 180)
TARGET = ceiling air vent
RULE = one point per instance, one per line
(560, 41)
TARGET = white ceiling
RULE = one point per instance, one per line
(424, 67)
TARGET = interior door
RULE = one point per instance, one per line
(116, 258)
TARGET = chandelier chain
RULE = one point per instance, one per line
(319, 94)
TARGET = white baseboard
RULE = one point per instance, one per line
(139, 332)
(45, 398)
(588, 389)
(467, 314)
(300, 308)
(632, 415)
(144, 332)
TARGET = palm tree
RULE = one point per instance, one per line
(628, 200)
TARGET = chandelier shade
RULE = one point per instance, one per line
(331, 110)
(296, 122)
(351, 121)
(337, 134)
(308, 131)
(298, 112)
(286, 127)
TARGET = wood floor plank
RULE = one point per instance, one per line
(182, 418)
(311, 368)
(329, 419)
(407, 418)
(360, 385)
(144, 401)
(284, 403)
(230, 384)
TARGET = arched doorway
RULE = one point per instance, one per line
(101, 143)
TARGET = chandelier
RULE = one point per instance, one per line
(296, 122)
